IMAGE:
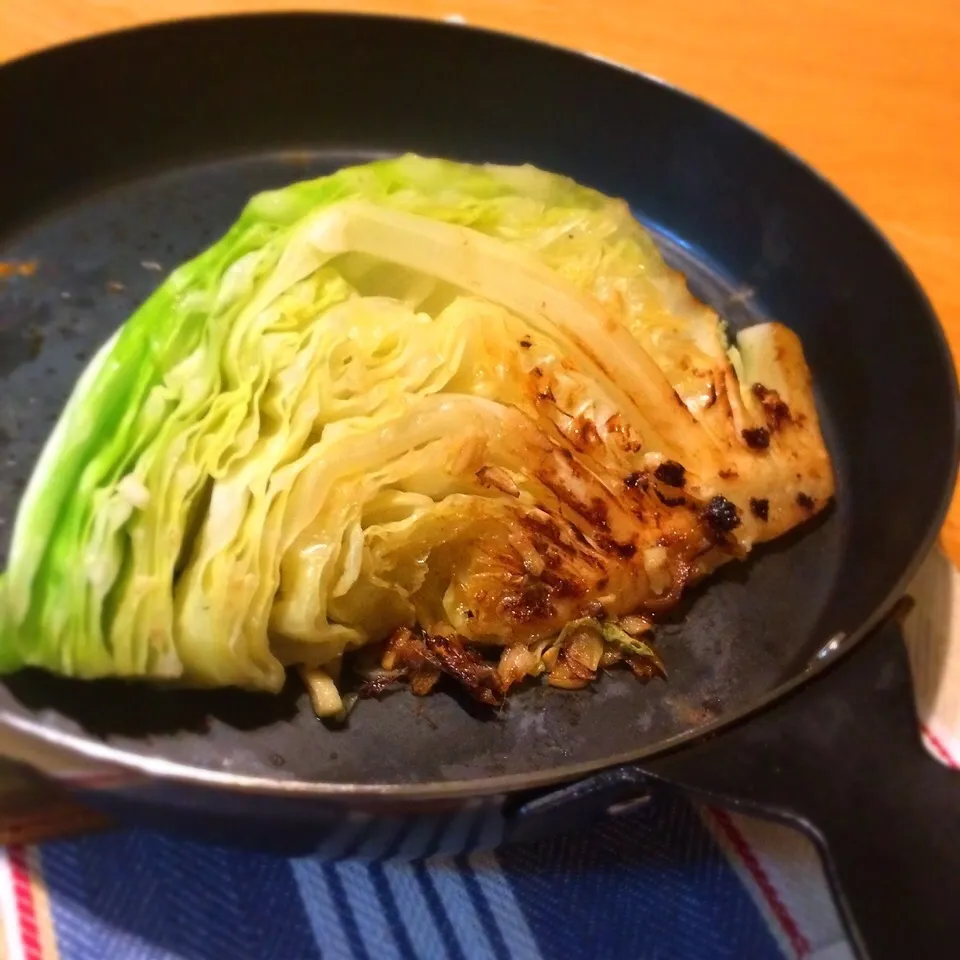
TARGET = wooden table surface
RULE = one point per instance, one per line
(868, 91)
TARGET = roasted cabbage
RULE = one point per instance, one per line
(447, 407)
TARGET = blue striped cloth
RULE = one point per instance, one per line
(655, 883)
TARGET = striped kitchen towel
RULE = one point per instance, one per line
(668, 881)
(932, 633)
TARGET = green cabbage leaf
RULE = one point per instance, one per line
(411, 392)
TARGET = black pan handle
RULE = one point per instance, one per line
(842, 759)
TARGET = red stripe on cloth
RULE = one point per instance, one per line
(26, 908)
(938, 746)
(777, 907)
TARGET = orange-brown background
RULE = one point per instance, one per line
(866, 90)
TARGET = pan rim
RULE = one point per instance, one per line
(152, 767)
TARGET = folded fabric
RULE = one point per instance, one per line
(666, 881)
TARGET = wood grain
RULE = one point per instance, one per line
(868, 91)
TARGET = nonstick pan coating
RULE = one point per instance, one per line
(130, 153)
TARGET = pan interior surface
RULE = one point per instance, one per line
(757, 234)
(96, 260)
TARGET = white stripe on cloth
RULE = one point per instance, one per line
(939, 742)
(838, 951)
(343, 838)
(12, 943)
(459, 909)
(491, 835)
(782, 872)
(932, 634)
(498, 893)
(319, 906)
(377, 842)
(362, 897)
(413, 907)
(364, 903)
(419, 840)
(454, 837)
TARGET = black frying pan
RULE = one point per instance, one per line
(133, 151)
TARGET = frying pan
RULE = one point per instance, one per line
(788, 692)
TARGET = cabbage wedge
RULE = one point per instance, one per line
(446, 406)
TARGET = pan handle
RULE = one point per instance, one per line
(842, 759)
